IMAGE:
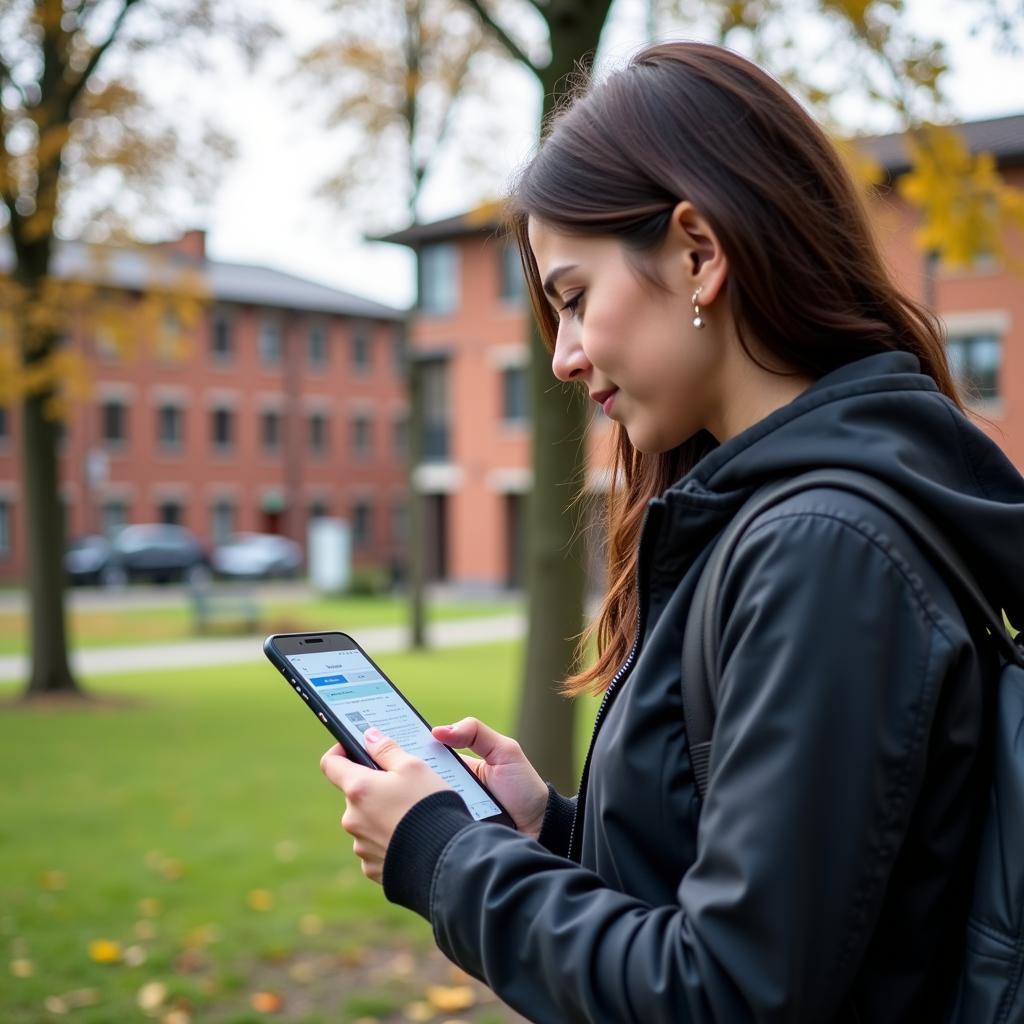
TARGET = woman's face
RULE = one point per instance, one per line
(633, 346)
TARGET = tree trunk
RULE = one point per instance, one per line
(44, 517)
(554, 570)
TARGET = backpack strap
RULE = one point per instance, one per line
(702, 632)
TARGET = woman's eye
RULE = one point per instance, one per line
(573, 304)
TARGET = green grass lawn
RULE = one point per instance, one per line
(184, 818)
(92, 627)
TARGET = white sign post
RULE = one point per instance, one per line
(329, 555)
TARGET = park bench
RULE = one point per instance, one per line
(223, 604)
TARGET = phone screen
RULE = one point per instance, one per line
(360, 697)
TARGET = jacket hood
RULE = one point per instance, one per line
(883, 416)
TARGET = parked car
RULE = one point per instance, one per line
(87, 559)
(257, 556)
(152, 551)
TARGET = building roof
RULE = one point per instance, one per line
(481, 220)
(1001, 136)
(143, 267)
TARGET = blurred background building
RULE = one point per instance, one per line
(287, 402)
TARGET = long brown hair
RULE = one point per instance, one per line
(806, 276)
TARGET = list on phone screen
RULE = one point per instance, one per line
(359, 696)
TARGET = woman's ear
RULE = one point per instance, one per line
(695, 252)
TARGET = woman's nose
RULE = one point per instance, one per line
(569, 361)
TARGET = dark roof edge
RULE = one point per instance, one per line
(1001, 136)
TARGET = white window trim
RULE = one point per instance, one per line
(983, 321)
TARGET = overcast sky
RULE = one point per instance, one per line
(264, 211)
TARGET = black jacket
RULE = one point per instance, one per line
(827, 874)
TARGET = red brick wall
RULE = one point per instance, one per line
(197, 475)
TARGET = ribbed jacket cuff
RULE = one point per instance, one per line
(557, 824)
(416, 844)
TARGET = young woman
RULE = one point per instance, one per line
(701, 263)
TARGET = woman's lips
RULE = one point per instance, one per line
(607, 403)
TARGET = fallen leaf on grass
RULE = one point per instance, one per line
(189, 961)
(304, 971)
(105, 951)
(172, 869)
(201, 936)
(22, 968)
(449, 998)
(176, 1017)
(266, 1002)
(419, 1011)
(72, 1000)
(260, 899)
(53, 880)
(151, 996)
(402, 965)
(310, 924)
(149, 906)
(145, 930)
(134, 956)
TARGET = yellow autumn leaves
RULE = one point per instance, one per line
(965, 206)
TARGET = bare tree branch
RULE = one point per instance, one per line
(502, 36)
(75, 88)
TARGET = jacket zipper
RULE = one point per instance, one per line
(653, 511)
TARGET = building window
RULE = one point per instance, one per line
(114, 516)
(515, 397)
(168, 344)
(361, 352)
(270, 430)
(434, 387)
(221, 342)
(114, 422)
(976, 360)
(319, 509)
(399, 350)
(270, 342)
(5, 527)
(512, 282)
(400, 437)
(223, 425)
(362, 441)
(361, 524)
(169, 512)
(223, 521)
(439, 282)
(318, 433)
(317, 346)
(169, 427)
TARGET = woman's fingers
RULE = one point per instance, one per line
(492, 746)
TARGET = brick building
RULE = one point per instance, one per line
(288, 402)
(470, 329)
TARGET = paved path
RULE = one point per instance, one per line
(238, 650)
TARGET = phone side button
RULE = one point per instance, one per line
(320, 715)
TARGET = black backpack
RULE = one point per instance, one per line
(990, 987)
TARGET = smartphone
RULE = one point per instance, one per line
(348, 692)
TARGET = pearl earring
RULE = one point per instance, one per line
(698, 320)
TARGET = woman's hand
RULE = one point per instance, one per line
(378, 800)
(503, 768)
